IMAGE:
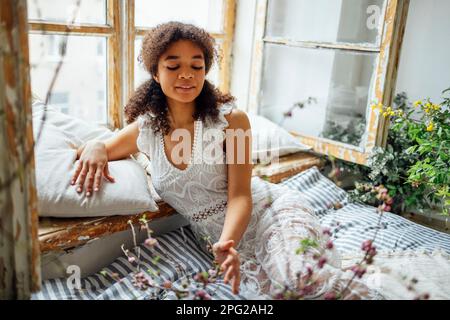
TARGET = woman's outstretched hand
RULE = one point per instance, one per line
(228, 259)
(92, 165)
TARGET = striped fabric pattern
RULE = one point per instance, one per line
(351, 225)
(180, 256)
(354, 223)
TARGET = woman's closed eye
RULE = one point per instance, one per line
(173, 68)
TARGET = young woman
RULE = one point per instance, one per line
(255, 226)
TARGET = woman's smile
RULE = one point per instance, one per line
(185, 89)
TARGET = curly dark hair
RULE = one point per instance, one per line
(149, 97)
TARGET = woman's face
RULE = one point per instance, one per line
(181, 71)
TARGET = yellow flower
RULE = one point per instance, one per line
(428, 105)
(417, 103)
(430, 126)
(436, 107)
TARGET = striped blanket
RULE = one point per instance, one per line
(182, 256)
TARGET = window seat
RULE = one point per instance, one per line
(62, 234)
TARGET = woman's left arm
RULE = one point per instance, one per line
(239, 160)
(238, 145)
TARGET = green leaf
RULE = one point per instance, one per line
(411, 149)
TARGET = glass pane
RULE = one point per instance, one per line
(81, 87)
(337, 84)
(141, 75)
(203, 13)
(92, 11)
(351, 21)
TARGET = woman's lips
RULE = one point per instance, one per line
(184, 89)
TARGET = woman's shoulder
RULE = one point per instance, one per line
(237, 119)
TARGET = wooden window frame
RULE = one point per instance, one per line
(112, 30)
(394, 13)
(20, 273)
(121, 33)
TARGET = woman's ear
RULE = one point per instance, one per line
(156, 78)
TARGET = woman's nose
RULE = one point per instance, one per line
(185, 75)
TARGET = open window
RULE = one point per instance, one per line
(216, 16)
(101, 41)
(318, 66)
(87, 34)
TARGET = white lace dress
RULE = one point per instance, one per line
(280, 216)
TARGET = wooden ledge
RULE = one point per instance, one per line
(59, 234)
(287, 166)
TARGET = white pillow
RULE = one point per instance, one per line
(55, 155)
(271, 141)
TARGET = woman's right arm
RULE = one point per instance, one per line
(94, 155)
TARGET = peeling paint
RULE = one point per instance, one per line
(11, 95)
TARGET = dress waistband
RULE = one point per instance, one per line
(208, 212)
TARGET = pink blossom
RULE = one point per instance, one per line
(359, 271)
(131, 259)
(151, 242)
(326, 232)
(366, 245)
(329, 245)
(322, 262)
(330, 296)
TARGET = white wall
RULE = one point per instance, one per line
(424, 69)
(242, 51)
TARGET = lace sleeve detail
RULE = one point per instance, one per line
(223, 111)
(143, 141)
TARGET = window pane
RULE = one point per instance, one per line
(80, 89)
(92, 11)
(351, 21)
(203, 13)
(339, 81)
(141, 75)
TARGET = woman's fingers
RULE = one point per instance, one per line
(236, 282)
(234, 276)
(82, 177)
(77, 173)
(228, 261)
(225, 245)
(90, 179)
(107, 174)
(228, 275)
(98, 178)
